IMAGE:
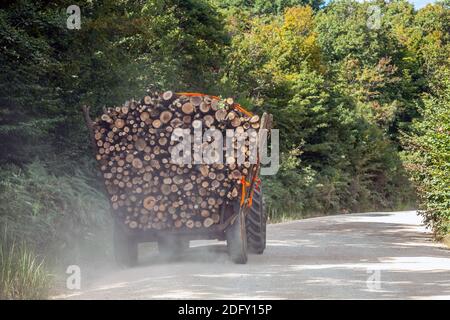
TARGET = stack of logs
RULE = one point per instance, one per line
(147, 190)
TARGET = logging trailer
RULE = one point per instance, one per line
(242, 222)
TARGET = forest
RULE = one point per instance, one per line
(360, 92)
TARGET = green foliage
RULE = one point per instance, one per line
(342, 95)
(372, 65)
(428, 160)
(52, 213)
(22, 273)
(287, 191)
(267, 6)
(338, 111)
(344, 33)
(185, 47)
(48, 71)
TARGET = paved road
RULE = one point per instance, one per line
(361, 256)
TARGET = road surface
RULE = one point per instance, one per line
(356, 256)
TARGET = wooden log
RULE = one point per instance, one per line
(215, 217)
(165, 189)
(137, 163)
(255, 125)
(208, 222)
(144, 116)
(220, 115)
(168, 95)
(106, 118)
(156, 123)
(190, 224)
(231, 115)
(215, 184)
(204, 213)
(204, 107)
(204, 170)
(178, 223)
(147, 100)
(133, 224)
(214, 104)
(196, 100)
(196, 124)
(236, 122)
(119, 123)
(209, 120)
(140, 144)
(254, 119)
(187, 108)
(176, 122)
(165, 116)
(187, 119)
(162, 141)
(149, 202)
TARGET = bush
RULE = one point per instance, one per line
(428, 161)
(22, 274)
(361, 172)
(60, 215)
(286, 192)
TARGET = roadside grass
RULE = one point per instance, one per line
(291, 216)
(446, 240)
(48, 221)
(23, 274)
(280, 216)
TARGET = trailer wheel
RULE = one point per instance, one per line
(172, 247)
(256, 224)
(237, 239)
(125, 248)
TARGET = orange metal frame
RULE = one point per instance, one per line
(237, 106)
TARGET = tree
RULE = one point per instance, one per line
(49, 71)
(277, 64)
(427, 158)
(373, 65)
(268, 7)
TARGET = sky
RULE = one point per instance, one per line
(420, 3)
(417, 3)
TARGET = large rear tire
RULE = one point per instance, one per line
(256, 224)
(237, 239)
(125, 248)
